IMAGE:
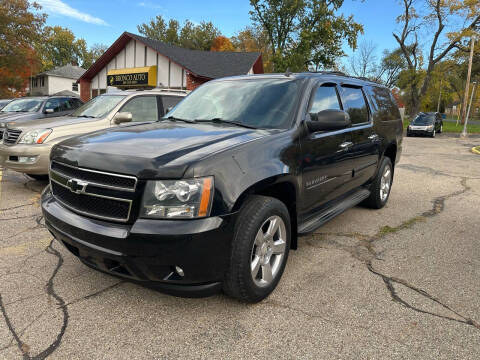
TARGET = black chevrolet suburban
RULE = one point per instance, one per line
(214, 195)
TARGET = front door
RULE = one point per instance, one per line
(325, 156)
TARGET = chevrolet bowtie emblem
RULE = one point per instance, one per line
(77, 186)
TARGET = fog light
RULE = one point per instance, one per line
(27, 159)
(179, 271)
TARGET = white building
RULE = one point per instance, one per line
(134, 61)
(59, 79)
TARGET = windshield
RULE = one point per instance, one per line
(423, 119)
(99, 106)
(260, 103)
(23, 105)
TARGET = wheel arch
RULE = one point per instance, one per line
(279, 187)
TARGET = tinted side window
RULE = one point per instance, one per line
(354, 104)
(169, 102)
(75, 103)
(53, 104)
(325, 98)
(384, 102)
(143, 108)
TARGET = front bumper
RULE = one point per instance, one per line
(148, 251)
(419, 132)
(9, 158)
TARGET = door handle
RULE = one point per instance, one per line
(346, 145)
(373, 137)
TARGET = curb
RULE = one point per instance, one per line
(476, 150)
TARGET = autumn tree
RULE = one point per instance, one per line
(59, 47)
(222, 43)
(305, 33)
(96, 50)
(189, 36)
(255, 39)
(463, 19)
(20, 25)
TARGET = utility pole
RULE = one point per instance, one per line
(469, 73)
(439, 96)
(464, 132)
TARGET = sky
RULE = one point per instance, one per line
(103, 21)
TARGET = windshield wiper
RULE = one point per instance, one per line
(173, 118)
(222, 121)
(86, 116)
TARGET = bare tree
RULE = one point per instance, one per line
(437, 16)
(363, 62)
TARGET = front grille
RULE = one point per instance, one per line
(96, 177)
(10, 136)
(89, 192)
(1, 133)
(92, 205)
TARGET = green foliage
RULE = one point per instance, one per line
(189, 36)
(255, 39)
(20, 25)
(305, 34)
(96, 50)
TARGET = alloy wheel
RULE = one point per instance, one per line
(268, 251)
(385, 183)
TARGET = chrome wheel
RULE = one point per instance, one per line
(385, 183)
(268, 251)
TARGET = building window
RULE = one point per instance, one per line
(74, 86)
(42, 81)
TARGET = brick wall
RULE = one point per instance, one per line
(193, 81)
(84, 90)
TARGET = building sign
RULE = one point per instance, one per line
(133, 77)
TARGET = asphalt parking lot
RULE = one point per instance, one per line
(399, 283)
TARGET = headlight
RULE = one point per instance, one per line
(430, 127)
(35, 136)
(178, 199)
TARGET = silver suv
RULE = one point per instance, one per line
(26, 144)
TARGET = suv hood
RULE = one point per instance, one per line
(152, 150)
(46, 123)
(18, 116)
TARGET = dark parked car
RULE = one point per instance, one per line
(426, 124)
(38, 107)
(215, 194)
(4, 102)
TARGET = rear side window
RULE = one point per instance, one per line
(169, 102)
(325, 98)
(143, 108)
(385, 105)
(354, 104)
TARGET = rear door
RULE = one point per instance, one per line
(325, 162)
(142, 108)
(364, 152)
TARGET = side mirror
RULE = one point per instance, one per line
(122, 117)
(328, 120)
(48, 111)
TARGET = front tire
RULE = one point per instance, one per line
(433, 133)
(259, 250)
(381, 186)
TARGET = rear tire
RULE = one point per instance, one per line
(38, 177)
(259, 250)
(381, 186)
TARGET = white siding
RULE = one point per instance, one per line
(175, 76)
(151, 57)
(130, 53)
(139, 54)
(94, 83)
(56, 84)
(121, 59)
(111, 65)
(162, 71)
(103, 78)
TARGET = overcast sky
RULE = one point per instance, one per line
(102, 21)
